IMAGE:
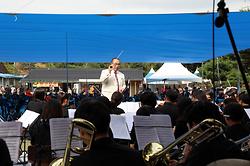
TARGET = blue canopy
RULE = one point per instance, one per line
(184, 38)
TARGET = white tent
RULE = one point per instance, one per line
(173, 72)
(151, 72)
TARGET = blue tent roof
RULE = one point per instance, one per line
(2, 75)
(184, 38)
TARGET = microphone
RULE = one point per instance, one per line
(220, 20)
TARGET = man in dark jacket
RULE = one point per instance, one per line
(103, 150)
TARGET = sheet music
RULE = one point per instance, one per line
(123, 106)
(11, 133)
(130, 109)
(129, 119)
(248, 112)
(153, 128)
(71, 113)
(162, 120)
(143, 121)
(119, 127)
(59, 131)
(133, 106)
(145, 135)
(28, 117)
(129, 106)
(166, 135)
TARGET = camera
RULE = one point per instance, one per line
(110, 66)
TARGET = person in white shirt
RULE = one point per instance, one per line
(112, 79)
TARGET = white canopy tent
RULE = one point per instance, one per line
(175, 72)
(151, 72)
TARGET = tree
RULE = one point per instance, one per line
(227, 68)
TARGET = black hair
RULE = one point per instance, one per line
(199, 94)
(201, 110)
(172, 95)
(148, 98)
(234, 111)
(145, 110)
(105, 101)
(244, 98)
(96, 112)
(229, 100)
(39, 93)
(116, 98)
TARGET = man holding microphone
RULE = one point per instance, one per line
(112, 79)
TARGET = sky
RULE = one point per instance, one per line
(115, 6)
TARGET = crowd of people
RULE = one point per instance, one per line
(186, 109)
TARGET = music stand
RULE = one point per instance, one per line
(11, 133)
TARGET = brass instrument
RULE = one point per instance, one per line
(204, 131)
(244, 143)
(81, 124)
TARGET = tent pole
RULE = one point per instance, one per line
(67, 60)
(219, 22)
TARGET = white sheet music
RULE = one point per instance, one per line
(133, 106)
(28, 117)
(59, 128)
(123, 106)
(59, 131)
(248, 111)
(119, 127)
(130, 109)
(11, 132)
(166, 135)
(153, 128)
(145, 135)
(162, 120)
(129, 119)
(143, 121)
(71, 113)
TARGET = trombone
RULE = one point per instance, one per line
(207, 130)
(81, 124)
(244, 143)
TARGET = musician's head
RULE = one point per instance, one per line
(244, 100)
(115, 63)
(233, 113)
(200, 111)
(39, 93)
(97, 113)
(116, 98)
(148, 98)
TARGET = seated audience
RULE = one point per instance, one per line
(103, 150)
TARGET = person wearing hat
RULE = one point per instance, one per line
(233, 114)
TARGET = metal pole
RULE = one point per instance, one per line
(219, 23)
(67, 59)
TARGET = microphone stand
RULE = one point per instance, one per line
(219, 22)
(24, 151)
